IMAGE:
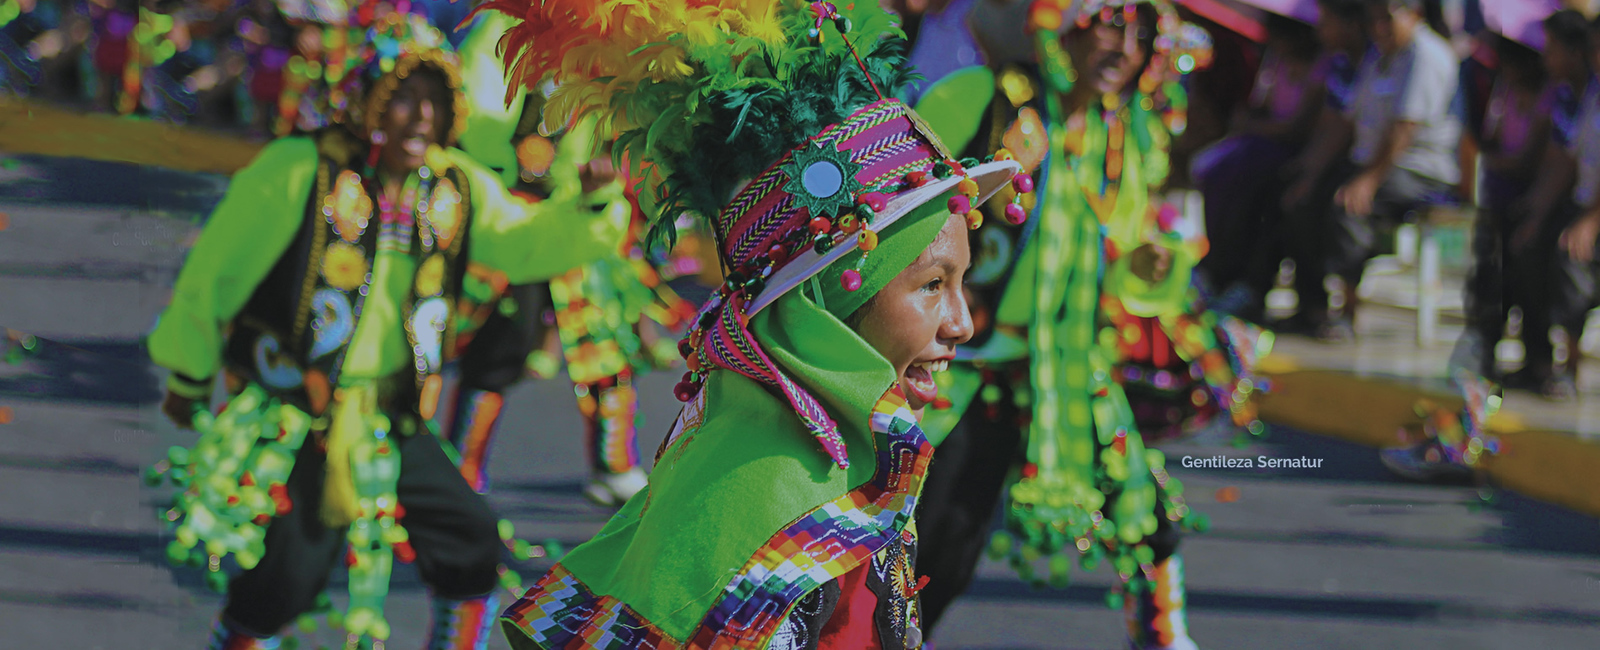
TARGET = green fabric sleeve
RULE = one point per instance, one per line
(243, 239)
(492, 123)
(954, 106)
(531, 241)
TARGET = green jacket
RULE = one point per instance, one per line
(265, 206)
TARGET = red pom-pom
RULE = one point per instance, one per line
(917, 178)
(820, 225)
(1015, 214)
(876, 200)
(851, 280)
(1023, 183)
(959, 204)
(404, 553)
(684, 391)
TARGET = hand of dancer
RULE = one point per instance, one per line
(1579, 238)
(180, 409)
(1356, 195)
(597, 173)
(1151, 263)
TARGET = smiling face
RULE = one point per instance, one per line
(917, 321)
(418, 115)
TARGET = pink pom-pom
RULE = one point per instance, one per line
(1023, 183)
(851, 280)
(875, 200)
(959, 204)
(1015, 214)
(1166, 217)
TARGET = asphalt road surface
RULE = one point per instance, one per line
(1342, 556)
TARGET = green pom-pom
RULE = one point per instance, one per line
(1113, 600)
(178, 456)
(177, 554)
(1000, 545)
(217, 581)
(554, 548)
(290, 643)
(1144, 554)
(152, 476)
(1060, 571)
(336, 619)
(306, 623)
(507, 530)
(1202, 523)
(521, 550)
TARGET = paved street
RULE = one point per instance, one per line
(1344, 556)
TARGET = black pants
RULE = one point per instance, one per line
(453, 531)
(1552, 289)
(1335, 242)
(960, 495)
(495, 358)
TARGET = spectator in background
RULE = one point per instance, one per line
(1237, 176)
(1404, 155)
(1512, 136)
(1313, 176)
(1557, 284)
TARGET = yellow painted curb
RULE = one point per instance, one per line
(28, 127)
(1557, 468)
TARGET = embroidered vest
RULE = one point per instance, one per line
(292, 336)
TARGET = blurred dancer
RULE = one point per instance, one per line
(1042, 409)
(337, 263)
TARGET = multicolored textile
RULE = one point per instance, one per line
(831, 540)
(610, 410)
(462, 624)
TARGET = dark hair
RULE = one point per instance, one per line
(1349, 10)
(1570, 29)
(1516, 55)
(1300, 37)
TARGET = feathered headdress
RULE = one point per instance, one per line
(795, 100)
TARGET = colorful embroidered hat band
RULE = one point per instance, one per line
(825, 200)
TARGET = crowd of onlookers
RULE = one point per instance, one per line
(1355, 122)
(1375, 115)
(214, 63)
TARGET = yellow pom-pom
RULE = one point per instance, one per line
(968, 187)
(869, 240)
(974, 219)
(1003, 154)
